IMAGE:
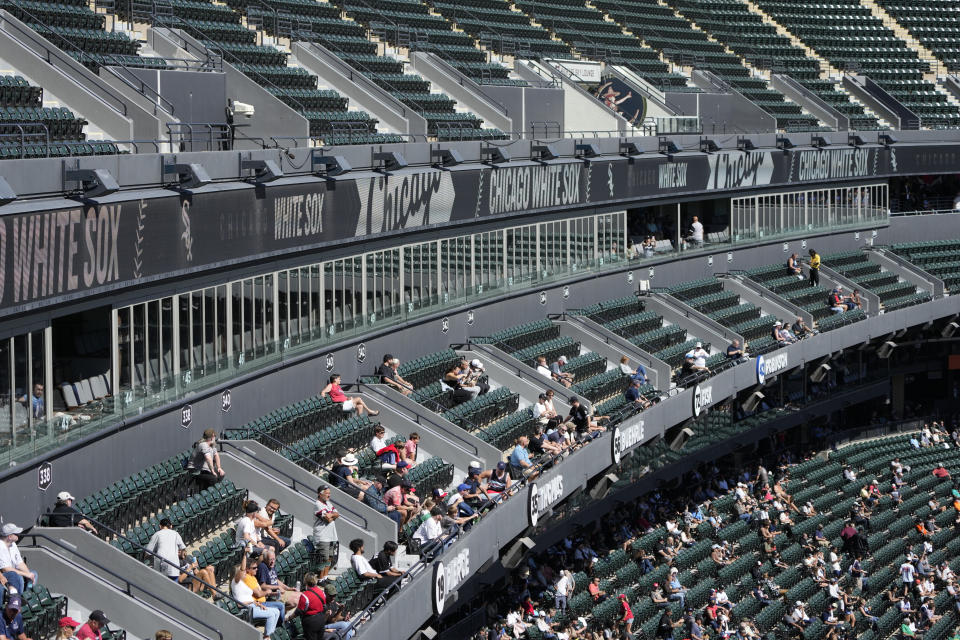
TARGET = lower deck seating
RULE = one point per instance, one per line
(936, 257)
(893, 292)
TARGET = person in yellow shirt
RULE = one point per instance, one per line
(814, 268)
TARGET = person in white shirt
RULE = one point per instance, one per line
(625, 367)
(247, 532)
(15, 572)
(564, 589)
(428, 534)
(696, 232)
(324, 539)
(906, 575)
(542, 367)
(363, 567)
(168, 545)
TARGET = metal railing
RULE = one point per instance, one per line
(128, 77)
(128, 585)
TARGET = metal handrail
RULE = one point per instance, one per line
(317, 466)
(49, 55)
(416, 568)
(103, 526)
(293, 481)
(127, 583)
(143, 89)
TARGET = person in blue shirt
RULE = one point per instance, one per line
(633, 395)
(11, 622)
(520, 457)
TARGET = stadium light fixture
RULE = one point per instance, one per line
(190, 175)
(884, 350)
(785, 143)
(7, 194)
(820, 372)
(708, 145)
(819, 142)
(753, 401)
(855, 141)
(441, 158)
(745, 144)
(886, 139)
(666, 146)
(94, 183)
(629, 149)
(543, 152)
(494, 155)
(328, 166)
(389, 161)
(586, 150)
(263, 170)
(949, 330)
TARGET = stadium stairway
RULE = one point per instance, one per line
(936, 257)
(853, 39)
(80, 573)
(892, 291)
(758, 40)
(818, 480)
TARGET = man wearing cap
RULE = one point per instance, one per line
(247, 533)
(835, 302)
(396, 498)
(474, 377)
(940, 471)
(11, 622)
(15, 571)
(389, 375)
(477, 496)
(94, 626)
(167, 545)
(324, 539)
(558, 374)
(374, 497)
(345, 478)
(64, 514)
(498, 479)
(429, 532)
(633, 395)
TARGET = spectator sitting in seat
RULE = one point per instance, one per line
(200, 576)
(697, 357)
(557, 373)
(639, 374)
(633, 396)
(735, 351)
(474, 375)
(362, 566)
(324, 537)
(402, 501)
(520, 457)
(542, 367)
(547, 418)
(800, 329)
(247, 592)
(649, 247)
(335, 392)
(854, 300)
(498, 479)
(167, 545)
(384, 562)
(15, 571)
(375, 497)
(785, 336)
(337, 626)
(11, 623)
(388, 454)
(454, 378)
(835, 302)
(410, 449)
(587, 428)
(246, 528)
(429, 533)
(204, 462)
(68, 627)
(270, 535)
(625, 367)
(793, 266)
(269, 582)
(390, 376)
(344, 477)
(66, 515)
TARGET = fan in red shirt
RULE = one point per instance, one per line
(627, 618)
(940, 471)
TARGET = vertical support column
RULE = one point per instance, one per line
(48, 372)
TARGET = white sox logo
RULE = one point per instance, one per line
(445, 325)
(469, 318)
(543, 297)
(329, 363)
(566, 292)
(361, 352)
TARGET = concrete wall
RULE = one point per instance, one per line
(529, 104)
(196, 96)
(465, 91)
